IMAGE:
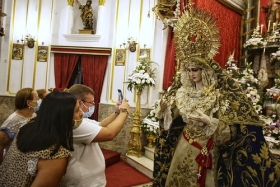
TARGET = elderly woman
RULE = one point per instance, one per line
(25, 101)
(40, 153)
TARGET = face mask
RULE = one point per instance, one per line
(36, 109)
(90, 111)
(77, 123)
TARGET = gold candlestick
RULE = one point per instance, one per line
(135, 145)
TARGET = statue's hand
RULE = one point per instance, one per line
(163, 104)
(200, 117)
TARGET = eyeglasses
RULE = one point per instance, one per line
(93, 103)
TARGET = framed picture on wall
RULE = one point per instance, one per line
(120, 57)
(17, 52)
(42, 55)
(145, 53)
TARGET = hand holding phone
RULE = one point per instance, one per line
(120, 95)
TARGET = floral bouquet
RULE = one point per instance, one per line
(272, 94)
(271, 129)
(150, 123)
(231, 68)
(142, 76)
(254, 42)
(256, 39)
(250, 85)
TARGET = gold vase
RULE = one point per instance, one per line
(151, 140)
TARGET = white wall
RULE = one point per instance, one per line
(56, 23)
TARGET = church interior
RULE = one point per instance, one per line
(53, 44)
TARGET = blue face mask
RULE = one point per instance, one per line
(36, 109)
(90, 112)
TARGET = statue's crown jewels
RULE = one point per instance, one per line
(196, 34)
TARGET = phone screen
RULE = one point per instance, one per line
(120, 95)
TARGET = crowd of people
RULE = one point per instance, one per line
(55, 145)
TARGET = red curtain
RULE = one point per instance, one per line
(230, 28)
(170, 63)
(64, 65)
(93, 71)
(263, 15)
(229, 23)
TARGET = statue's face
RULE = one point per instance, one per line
(195, 74)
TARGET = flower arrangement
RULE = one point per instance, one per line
(231, 67)
(271, 129)
(150, 123)
(272, 94)
(256, 40)
(274, 59)
(143, 75)
(247, 77)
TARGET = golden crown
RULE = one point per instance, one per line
(195, 34)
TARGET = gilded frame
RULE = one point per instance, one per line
(120, 57)
(17, 51)
(42, 53)
(145, 51)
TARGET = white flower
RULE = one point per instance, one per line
(142, 76)
(142, 71)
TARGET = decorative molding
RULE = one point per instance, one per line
(82, 37)
(81, 50)
(236, 5)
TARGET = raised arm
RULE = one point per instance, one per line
(105, 122)
(110, 131)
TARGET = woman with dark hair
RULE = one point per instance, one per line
(40, 153)
(26, 100)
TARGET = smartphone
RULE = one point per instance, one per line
(120, 95)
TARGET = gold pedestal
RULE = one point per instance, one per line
(135, 145)
(86, 31)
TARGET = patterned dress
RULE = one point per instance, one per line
(228, 153)
(19, 169)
